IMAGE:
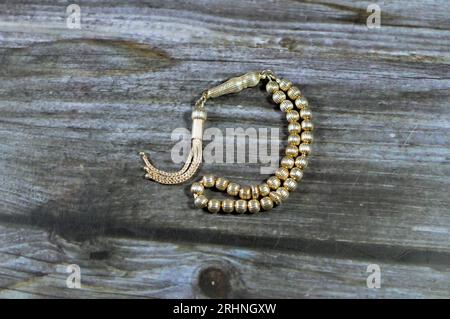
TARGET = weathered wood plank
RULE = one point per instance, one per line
(77, 106)
(34, 263)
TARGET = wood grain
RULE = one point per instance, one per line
(124, 268)
(76, 106)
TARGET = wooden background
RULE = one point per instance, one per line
(76, 106)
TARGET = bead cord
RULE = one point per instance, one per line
(253, 198)
(263, 197)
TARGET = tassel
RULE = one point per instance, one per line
(194, 158)
(189, 169)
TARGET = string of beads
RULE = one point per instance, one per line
(275, 189)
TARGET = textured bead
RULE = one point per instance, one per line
(228, 205)
(201, 201)
(294, 139)
(275, 197)
(278, 96)
(214, 206)
(222, 183)
(253, 206)
(285, 84)
(286, 106)
(283, 192)
(304, 148)
(294, 127)
(287, 162)
(197, 188)
(296, 174)
(292, 116)
(266, 203)
(240, 206)
(294, 92)
(208, 180)
(245, 192)
(233, 189)
(301, 162)
(271, 87)
(306, 114)
(282, 173)
(255, 191)
(301, 102)
(199, 114)
(307, 137)
(290, 184)
(274, 182)
(264, 189)
(307, 125)
(291, 150)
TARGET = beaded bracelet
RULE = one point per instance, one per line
(255, 197)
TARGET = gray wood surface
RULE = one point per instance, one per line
(76, 106)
